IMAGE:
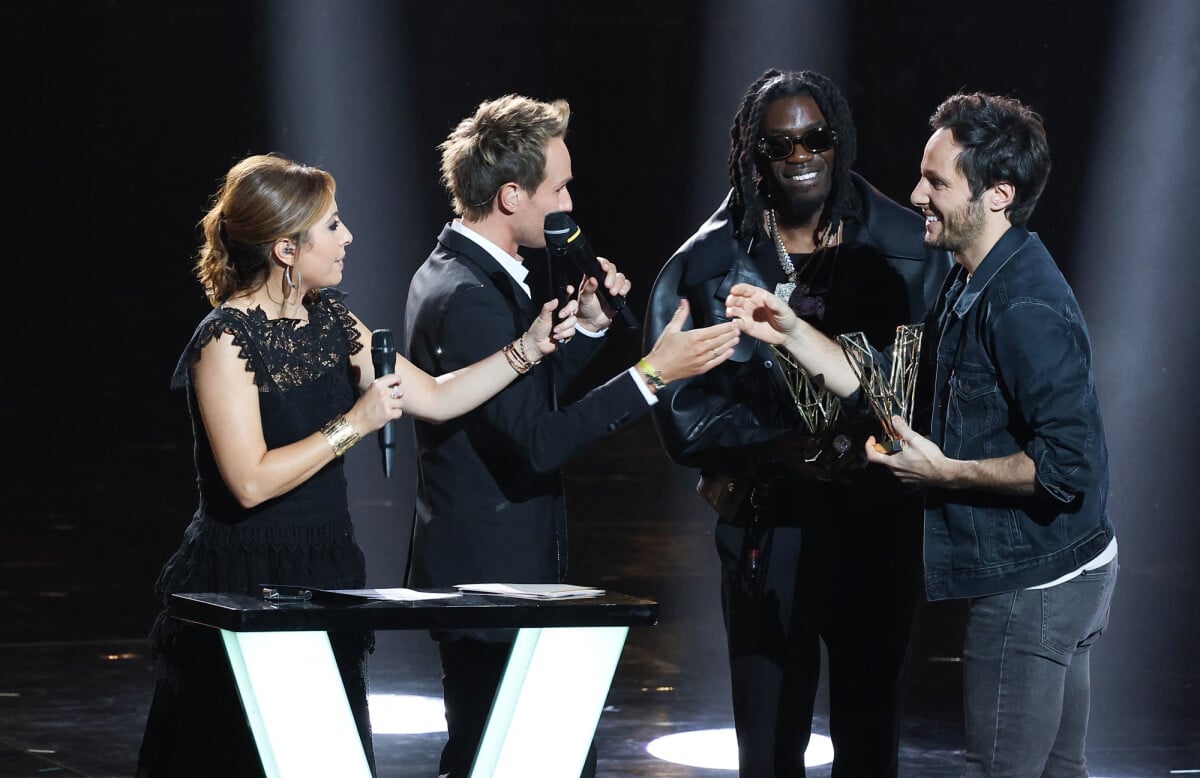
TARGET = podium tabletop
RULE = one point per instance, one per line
(328, 611)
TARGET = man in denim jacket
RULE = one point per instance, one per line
(1015, 467)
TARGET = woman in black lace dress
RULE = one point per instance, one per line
(279, 386)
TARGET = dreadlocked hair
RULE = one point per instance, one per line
(749, 199)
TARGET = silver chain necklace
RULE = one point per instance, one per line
(785, 289)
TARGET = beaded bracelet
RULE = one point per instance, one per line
(341, 435)
(521, 347)
(516, 359)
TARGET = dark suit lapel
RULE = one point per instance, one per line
(489, 271)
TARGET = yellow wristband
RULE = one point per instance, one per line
(653, 377)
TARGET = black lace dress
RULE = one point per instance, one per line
(196, 726)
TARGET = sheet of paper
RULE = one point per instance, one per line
(532, 591)
(396, 594)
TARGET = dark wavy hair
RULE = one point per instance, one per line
(262, 198)
(749, 189)
(1002, 140)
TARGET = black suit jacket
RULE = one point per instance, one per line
(489, 495)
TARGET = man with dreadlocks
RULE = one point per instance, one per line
(813, 544)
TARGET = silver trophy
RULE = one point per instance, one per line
(893, 394)
(817, 406)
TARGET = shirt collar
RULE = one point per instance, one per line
(514, 267)
(1008, 245)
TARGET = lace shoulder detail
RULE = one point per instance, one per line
(330, 300)
(281, 354)
(221, 320)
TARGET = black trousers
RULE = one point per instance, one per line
(471, 673)
(850, 579)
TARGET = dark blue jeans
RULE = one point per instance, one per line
(1026, 677)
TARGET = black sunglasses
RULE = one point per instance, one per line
(777, 147)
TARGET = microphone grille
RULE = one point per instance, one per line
(382, 339)
(558, 227)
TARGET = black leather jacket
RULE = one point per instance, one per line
(738, 421)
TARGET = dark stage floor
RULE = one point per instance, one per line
(75, 682)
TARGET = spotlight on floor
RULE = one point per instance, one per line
(716, 749)
(406, 714)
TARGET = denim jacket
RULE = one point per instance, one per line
(1013, 372)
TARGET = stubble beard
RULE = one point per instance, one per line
(963, 227)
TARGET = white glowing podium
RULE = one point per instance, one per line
(546, 708)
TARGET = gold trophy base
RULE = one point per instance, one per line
(889, 446)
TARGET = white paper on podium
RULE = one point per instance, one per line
(395, 594)
(532, 591)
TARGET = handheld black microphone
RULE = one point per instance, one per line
(383, 356)
(564, 239)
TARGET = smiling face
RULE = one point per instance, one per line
(954, 220)
(800, 183)
(321, 259)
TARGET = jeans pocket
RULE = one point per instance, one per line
(1075, 612)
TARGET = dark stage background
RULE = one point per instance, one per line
(121, 116)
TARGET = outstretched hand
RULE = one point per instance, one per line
(681, 354)
(545, 334)
(760, 313)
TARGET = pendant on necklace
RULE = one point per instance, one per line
(784, 289)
